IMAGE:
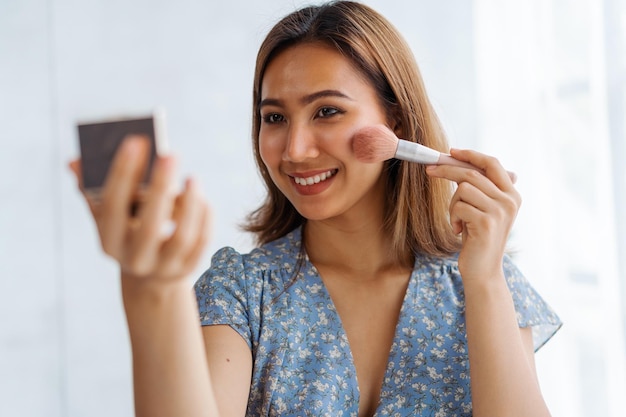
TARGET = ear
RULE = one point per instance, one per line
(394, 121)
(397, 129)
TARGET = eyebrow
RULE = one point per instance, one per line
(308, 99)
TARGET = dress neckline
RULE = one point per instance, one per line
(410, 290)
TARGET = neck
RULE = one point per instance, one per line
(363, 248)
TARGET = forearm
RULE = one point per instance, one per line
(503, 379)
(171, 375)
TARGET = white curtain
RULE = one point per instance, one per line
(550, 86)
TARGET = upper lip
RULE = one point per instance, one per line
(307, 174)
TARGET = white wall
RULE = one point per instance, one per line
(63, 343)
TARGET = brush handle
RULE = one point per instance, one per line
(414, 152)
(445, 159)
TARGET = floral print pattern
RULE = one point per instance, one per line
(302, 364)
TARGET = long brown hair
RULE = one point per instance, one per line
(416, 212)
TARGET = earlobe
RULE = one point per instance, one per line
(396, 126)
(394, 121)
(397, 129)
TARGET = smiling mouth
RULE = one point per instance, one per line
(315, 179)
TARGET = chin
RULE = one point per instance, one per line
(315, 211)
(314, 215)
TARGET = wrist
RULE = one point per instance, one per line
(486, 287)
(482, 272)
(150, 292)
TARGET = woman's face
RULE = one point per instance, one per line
(312, 102)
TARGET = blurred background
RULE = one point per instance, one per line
(538, 83)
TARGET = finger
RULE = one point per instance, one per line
(154, 215)
(456, 221)
(468, 219)
(464, 175)
(76, 167)
(490, 166)
(182, 267)
(187, 216)
(202, 239)
(487, 216)
(468, 194)
(126, 170)
(118, 193)
(474, 196)
(179, 251)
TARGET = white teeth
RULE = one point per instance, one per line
(314, 179)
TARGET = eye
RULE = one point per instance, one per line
(328, 112)
(272, 118)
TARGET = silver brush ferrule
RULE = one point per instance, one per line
(414, 152)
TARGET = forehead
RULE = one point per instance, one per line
(311, 66)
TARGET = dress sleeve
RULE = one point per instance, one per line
(222, 293)
(532, 310)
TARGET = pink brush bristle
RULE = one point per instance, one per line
(374, 144)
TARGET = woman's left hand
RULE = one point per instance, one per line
(483, 208)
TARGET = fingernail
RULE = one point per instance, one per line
(191, 183)
(166, 160)
(131, 144)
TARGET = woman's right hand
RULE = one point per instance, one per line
(170, 370)
(141, 243)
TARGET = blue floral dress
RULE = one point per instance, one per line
(302, 364)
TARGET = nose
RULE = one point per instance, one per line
(301, 144)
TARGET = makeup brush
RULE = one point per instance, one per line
(378, 143)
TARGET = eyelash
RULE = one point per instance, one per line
(270, 117)
(334, 110)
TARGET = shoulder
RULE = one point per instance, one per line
(236, 287)
(438, 280)
(275, 254)
(512, 273)
(230, 268)
(437, 266)
(441, 274)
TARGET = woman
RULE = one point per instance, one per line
(376, 289)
